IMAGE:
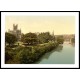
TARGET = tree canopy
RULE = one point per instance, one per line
(45, 37)
(30, 38)
(10, 38)
(72, 40)
(60, 39)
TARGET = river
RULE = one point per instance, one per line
(63, 54)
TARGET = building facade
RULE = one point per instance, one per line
(16, 31)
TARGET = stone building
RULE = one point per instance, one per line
(15, 31)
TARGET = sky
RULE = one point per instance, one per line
(58, 24)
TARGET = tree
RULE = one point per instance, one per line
(9, 54)
(10, 38)
(72, 40)
(22, 37)
(45, 37)
(30, 38)
(60, 39)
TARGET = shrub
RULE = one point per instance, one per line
(9, 54)
(26, 55)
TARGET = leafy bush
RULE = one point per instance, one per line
(9, 54)
(26, 55)
(60, 39)
(10, 38)
(72, 40)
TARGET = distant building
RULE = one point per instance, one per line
(15, 31)
(67, 37)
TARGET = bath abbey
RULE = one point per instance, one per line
(15, 31)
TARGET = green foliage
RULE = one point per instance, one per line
(22, 37)
(60, 39)
(72, 40)
(26, 55)
(10, 38)
(30, 38)
(9, 54)
(45, 37)
(31, 54)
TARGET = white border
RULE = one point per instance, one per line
(76, 14)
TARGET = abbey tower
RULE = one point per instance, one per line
(16, 31)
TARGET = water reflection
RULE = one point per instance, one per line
(72, 44)
(47, 55)
(59, 48)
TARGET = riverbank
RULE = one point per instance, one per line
(63, 54)
(27, 55)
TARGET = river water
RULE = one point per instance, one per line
(63, 54)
